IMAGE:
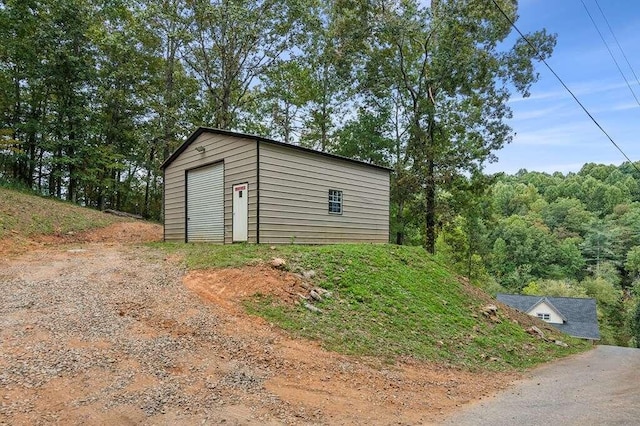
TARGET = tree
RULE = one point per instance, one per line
(444, 65)
(632, 265)
(556, 288)
(635, 325)
(567, 217)
(286, 92)
(598, 245)
(234, 43)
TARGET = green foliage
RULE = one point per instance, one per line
(632, 265)
(525, 249)
(515, 199)
(567, 217)
(388, 301)
(556, 288)
(635, 328)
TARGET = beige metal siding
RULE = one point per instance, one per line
(294, 191)
(240, 165)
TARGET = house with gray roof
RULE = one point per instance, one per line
(574, 316)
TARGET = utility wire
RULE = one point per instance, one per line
(617, 42)
(541, 58)
(610, 52)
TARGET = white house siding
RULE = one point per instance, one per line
(294, 189)
(240, 160)
(543, 308)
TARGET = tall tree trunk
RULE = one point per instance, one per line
(71, 188)
(169, 98)
(400, 220)
(146, 209)
(430, 202)
(118, 201)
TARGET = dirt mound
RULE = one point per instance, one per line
(228, 287)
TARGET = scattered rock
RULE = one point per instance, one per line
(272, 247)
(76, 251)
(535, 331)
(278, 263)
(312, 308)
(309, 274)
(490, 310)
(561, 343)
(315, 296)
(324, 293)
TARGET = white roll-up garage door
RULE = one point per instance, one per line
(205, 204)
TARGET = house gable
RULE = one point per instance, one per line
(545, 310)
(239, 159)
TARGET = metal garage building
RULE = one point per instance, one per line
(225, 187)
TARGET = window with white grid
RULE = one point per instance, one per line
(335, 201)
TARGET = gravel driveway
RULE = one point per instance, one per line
(106, 333)
(600, 387)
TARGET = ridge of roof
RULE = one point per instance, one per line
(202, 129)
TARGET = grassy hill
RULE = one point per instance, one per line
(25, 215)
(392, 301)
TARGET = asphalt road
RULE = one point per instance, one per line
(600, 387)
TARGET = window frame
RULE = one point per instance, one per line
(336, 202)
(543, 316)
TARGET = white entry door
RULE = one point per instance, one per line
(240, 212)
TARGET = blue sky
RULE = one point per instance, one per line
(552, 131)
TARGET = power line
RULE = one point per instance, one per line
(610, 52)
(617, 42)
(541, 58)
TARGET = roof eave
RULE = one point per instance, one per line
(202, 129)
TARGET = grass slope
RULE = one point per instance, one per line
(27, 215)
(392, 301)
